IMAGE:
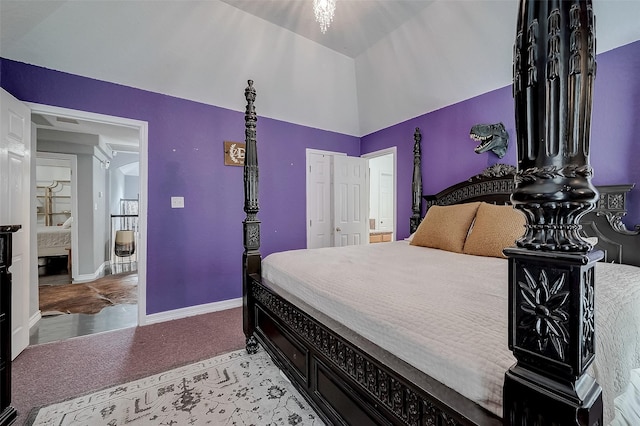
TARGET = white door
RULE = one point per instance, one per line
(351, 205)
(15, 175)
(385, 202)
(318, 200)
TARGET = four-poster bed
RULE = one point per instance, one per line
(439, 358)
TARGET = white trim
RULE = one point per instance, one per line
(143, 129)
(393, 151)
(143, 203)
(33, 320)
(192, 310)
(99, 273)
(321, 151)
(73, 164)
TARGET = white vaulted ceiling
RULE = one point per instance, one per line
(380, 62)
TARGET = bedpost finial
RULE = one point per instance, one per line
(251, 205)
(416, 186)
(250, 94)
(417, 138)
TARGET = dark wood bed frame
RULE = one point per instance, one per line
(349, 380)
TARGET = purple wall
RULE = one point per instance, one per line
(447, 150)
(194, 255)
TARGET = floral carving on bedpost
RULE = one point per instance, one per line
(551, 271)
(416, 186)
(251, 259)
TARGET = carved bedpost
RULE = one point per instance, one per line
(251, 258)
(416, 187)
(552, 269)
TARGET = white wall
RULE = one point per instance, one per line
(377, 165)
(297, 80)
(132, 187)
(455, 50)
(116, 190)
(450, 51)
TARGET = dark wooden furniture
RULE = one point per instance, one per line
(496, 184)
(349, 380)
(7, 412)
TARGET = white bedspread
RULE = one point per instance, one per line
(52, 240)
(446, 313)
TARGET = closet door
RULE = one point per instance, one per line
(319, 209)
(351, 200)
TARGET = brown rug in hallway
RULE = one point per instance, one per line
(91, 297)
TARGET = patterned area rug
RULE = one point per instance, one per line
(230, 389)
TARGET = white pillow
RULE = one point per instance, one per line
(67, 223)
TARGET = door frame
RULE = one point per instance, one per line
(381, 153)
(143, 132)
(73, 164)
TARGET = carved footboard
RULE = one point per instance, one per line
(347, 378)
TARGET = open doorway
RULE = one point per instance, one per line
(376, 198)
(382, 195)
(110, 196)
(56, 204)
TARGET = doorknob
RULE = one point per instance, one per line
(338, 229)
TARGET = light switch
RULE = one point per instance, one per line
(177, 202)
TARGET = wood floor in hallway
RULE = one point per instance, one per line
(60, 327)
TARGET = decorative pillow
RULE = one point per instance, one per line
(495, 227)
(445, 227)
(67, 223)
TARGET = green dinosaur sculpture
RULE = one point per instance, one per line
(492, 137)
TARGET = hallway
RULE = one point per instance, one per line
(52, 328)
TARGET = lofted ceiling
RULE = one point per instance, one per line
(380, 62)
(357, 25)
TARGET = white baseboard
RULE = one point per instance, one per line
(191, 311)
(35, 318)
(90, 277)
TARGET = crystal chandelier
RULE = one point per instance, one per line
(324, 10)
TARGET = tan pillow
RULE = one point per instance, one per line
(445, 227)
(495, 227)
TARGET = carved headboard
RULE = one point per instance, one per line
(620, 244)
(496, 183)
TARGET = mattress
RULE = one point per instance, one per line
(52, 240)
(390, 292)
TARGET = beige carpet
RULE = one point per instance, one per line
(230, 389)
(88, 298)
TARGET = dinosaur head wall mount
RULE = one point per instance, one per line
(492, 137)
